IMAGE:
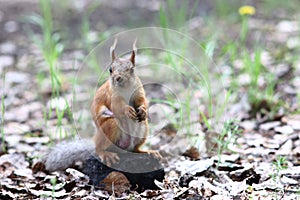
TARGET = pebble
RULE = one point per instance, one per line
(34, 140)
(266, 58)
(23, 62)
(60, 103)
(17, 77)
(248, 124)
(21, 147)
(284, 129)
(6, 61)
(13, 140)
(280, 69)
(293, 43)
(19, 114)
(7, 48)
(287, 26)
(244, 79)
(16, 128)
(296, 83)
(11, 26)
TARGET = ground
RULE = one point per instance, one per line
(222, 81)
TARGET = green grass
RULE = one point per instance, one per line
(228, 136)
(279, 164)
(50, 43)
(52, 49)
(175, 14)
(85, 35)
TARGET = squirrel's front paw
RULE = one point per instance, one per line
(155, 154)
(130, 112)
(141, 113)
(108, 158)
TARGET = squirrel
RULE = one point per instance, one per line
(119, 111)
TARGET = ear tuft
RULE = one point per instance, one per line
(134, 51)
(112, 50)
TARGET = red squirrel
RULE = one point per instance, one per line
(119, 111)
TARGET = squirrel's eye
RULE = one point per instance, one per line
(110, 70)
(131, 70)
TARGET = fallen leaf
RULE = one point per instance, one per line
(116, 182)
(284, 129)
(24, 173)
(293, 121)
(193, 167)
(192, 153)
(40, 193)
(288, 181)
(269, 125)
(220, 197)
(286, 148)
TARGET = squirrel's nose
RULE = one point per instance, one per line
(118, 79)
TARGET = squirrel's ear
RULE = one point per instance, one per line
(112, 50)
(134, 51)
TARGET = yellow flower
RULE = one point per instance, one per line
(247, 10)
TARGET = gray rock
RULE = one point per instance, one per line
(17, 77)
(6, 61)
(287, 26)
(11, 26)
(7, 48)
(16, 128)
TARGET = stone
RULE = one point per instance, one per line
(140, 169)
(59, 102)
(17, 77)
(16, 128)
(6, 61)
(19, 114)
(293, 42)
(11, 26)
(8, 48)
(287, 26)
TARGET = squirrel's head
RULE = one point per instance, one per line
(122, 70)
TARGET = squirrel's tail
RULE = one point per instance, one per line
(66, 154)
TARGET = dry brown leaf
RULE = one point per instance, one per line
(116, 182)
(192, 153)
